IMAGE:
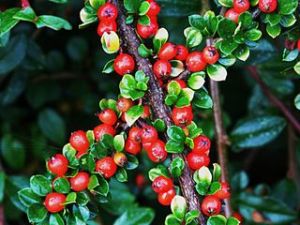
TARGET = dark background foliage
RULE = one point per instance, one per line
(51, 83)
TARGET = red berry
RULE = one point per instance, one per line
(154, 8)
(267, 6)
(201, 145)
(123, 64)
(58, 165)
(106, 26)
(166, 197)
(167, 52)
(102, 129)
(232, 15)
(147, 31)
(181, 83)
(224, 192)
(54, 202)
(80, 154)
(195, 62)
(147, 146)
(211, 205)
(147, 112)
(79, 141)
(120, 159)
(157, 152)
(162, 184)
(107, 12)
(241, 6)
(80, 181)
(149, 134)
(124, 104)
(135, 134)
(238, 216)
(298, 45)
(196, 161)
(182, 52)
(132, 147)
(182, 116)
(106, 166)
(211, 54)
(162, 68)
(108, 116)
(140, 181)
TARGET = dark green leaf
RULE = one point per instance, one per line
(36, 213)
(40, 185)
(53, 22)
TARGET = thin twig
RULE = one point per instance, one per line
(274, 100)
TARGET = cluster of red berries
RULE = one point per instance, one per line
(148, 31)
(212, 204)
(164, 188)
(107, 15)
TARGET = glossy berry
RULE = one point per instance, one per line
(108, 116)
(166, 197)
(162, 184)
(135, 134)
(298, 45)
(232, 15)
(201, 145)
(211, 54)
(124, 104)
(241, 6)
(211, 205)
(107, 12)
(132, 147)
(224, 192)
(195, 62)
(157, 152)
(167, 52)
(124, 63)
(267, 6)
(182, 116)
(102, 129)
(146, 114)
(162, 68)
(154, 8)
(181, 83)
(147, 31)
(196, 161)
(80, 181)
(182, 52)
(54, 202)
(238, 216)
(106, 26)
(79, 141)
(58, 165)
(106, 166)
(120, 159)
(147, 146)
(149, 134)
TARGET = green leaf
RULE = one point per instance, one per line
(202, 99)
(59, 1)
(159, 125)
(242, 53)
(93, 182)
(226, 28)
(174, 146)
(193, 37)
(13, 152)
(297, 101)
(216, 172)
(297, 68)
(257, 131)
(288, 20)
(287, 7)
(216, 220)
(226, 3)
(7, 20)
(289, 56)
(217, 72)
(61, 185)
(15, 53)
(196, 81)
(173, 88)
(28, 197)
(36, 213)
(136, 216)
(144, 20)
(240, 181)
(228, 46)
(144, 8)
(214, 187)
(71, 198)
(144, 51)
(132, 6)
(273, 31)
(133, 114)
(103, 187)
(121, 175)
(177, 166)
(194, 131)
(160, 170)
(179, 206)
(191, 215)
(119, 142)
(26, 14)
(55, 219)
(253, 35)
(2, 185)
(40, 185)
(197, 21)
(52, 126)
(176, 133)
(53, 22)
(232, 221)
(160, 38)
(96, 3)
(132, 162)
(172, 220)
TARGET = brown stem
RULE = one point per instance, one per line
(274, 100)
(184, 75)
(160, 110)
(221, 138)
